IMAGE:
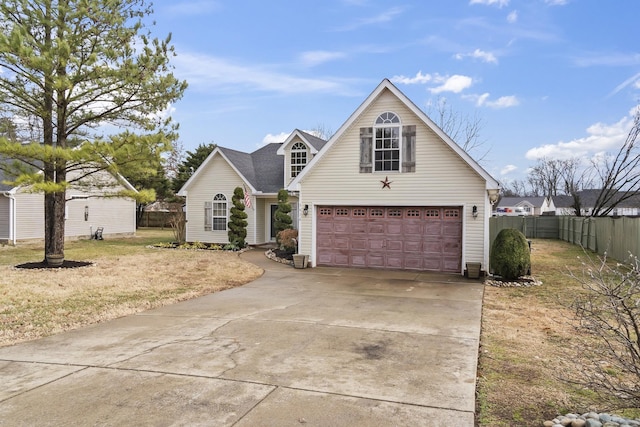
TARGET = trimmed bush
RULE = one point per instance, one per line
(510, 257)
(288, 240)
(238, 221)
(283, 219)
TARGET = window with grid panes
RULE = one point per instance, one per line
(219, 212)
(298, 158)
(386, 146)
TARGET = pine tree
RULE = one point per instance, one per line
(192, 161)
(238, 220)
(68, 67)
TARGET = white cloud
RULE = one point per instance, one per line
(600, 138)
(634, 81)
(317, 57)
(164, 114)
(556, 2)
(499, 3)
(455, 84)
(508, 169)
(279, 137)
(512, 17)
(502, 102)
(381, 18)
(418, 79)
(478, 54)
(206, 72)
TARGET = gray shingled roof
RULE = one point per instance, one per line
(264, 168)
(316, 142)
(513, 201)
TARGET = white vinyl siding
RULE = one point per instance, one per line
(217, 178)
(29, 216)
(441, 178)
(117, 215)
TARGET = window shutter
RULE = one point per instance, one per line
(208, 215)
(366, 148)
(409, 148)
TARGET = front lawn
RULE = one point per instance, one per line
(126, 277)
(528, 346)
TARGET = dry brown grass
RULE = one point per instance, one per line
(128, 278)
(528, 345)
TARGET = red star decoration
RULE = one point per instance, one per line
(386, 183)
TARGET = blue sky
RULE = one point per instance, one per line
(553, 78)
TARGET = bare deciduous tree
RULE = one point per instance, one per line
(545, 177)
(465, 130)
(515, 188)
(609, 312)
(323, 131)
(619, 176)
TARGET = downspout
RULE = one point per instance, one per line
(12, 216)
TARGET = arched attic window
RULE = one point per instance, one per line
(298, 158)
(386, 148)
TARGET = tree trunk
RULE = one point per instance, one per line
(54, 226)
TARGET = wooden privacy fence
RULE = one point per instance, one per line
(617, 237)
(157, 219)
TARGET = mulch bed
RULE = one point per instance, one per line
(283, 254)
(43, 264)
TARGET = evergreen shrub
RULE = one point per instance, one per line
(510, 257)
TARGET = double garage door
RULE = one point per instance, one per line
(407, 238)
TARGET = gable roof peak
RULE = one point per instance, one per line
(386, 84)
(315, 143)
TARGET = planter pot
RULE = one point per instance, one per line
(54, 260)
(300, 261)
(473, 270)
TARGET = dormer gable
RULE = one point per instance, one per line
(298, 150)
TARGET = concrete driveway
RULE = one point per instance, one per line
(314, 347)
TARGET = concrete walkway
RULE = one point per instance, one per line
(314, 347)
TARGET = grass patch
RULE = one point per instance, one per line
(527, 346)
(126, 277)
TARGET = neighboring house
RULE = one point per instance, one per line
(389, 190)
(522, 206)
(588, 198)
(87, 208)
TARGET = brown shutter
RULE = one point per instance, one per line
(208, 216)
(366, 148)
(409, 148)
